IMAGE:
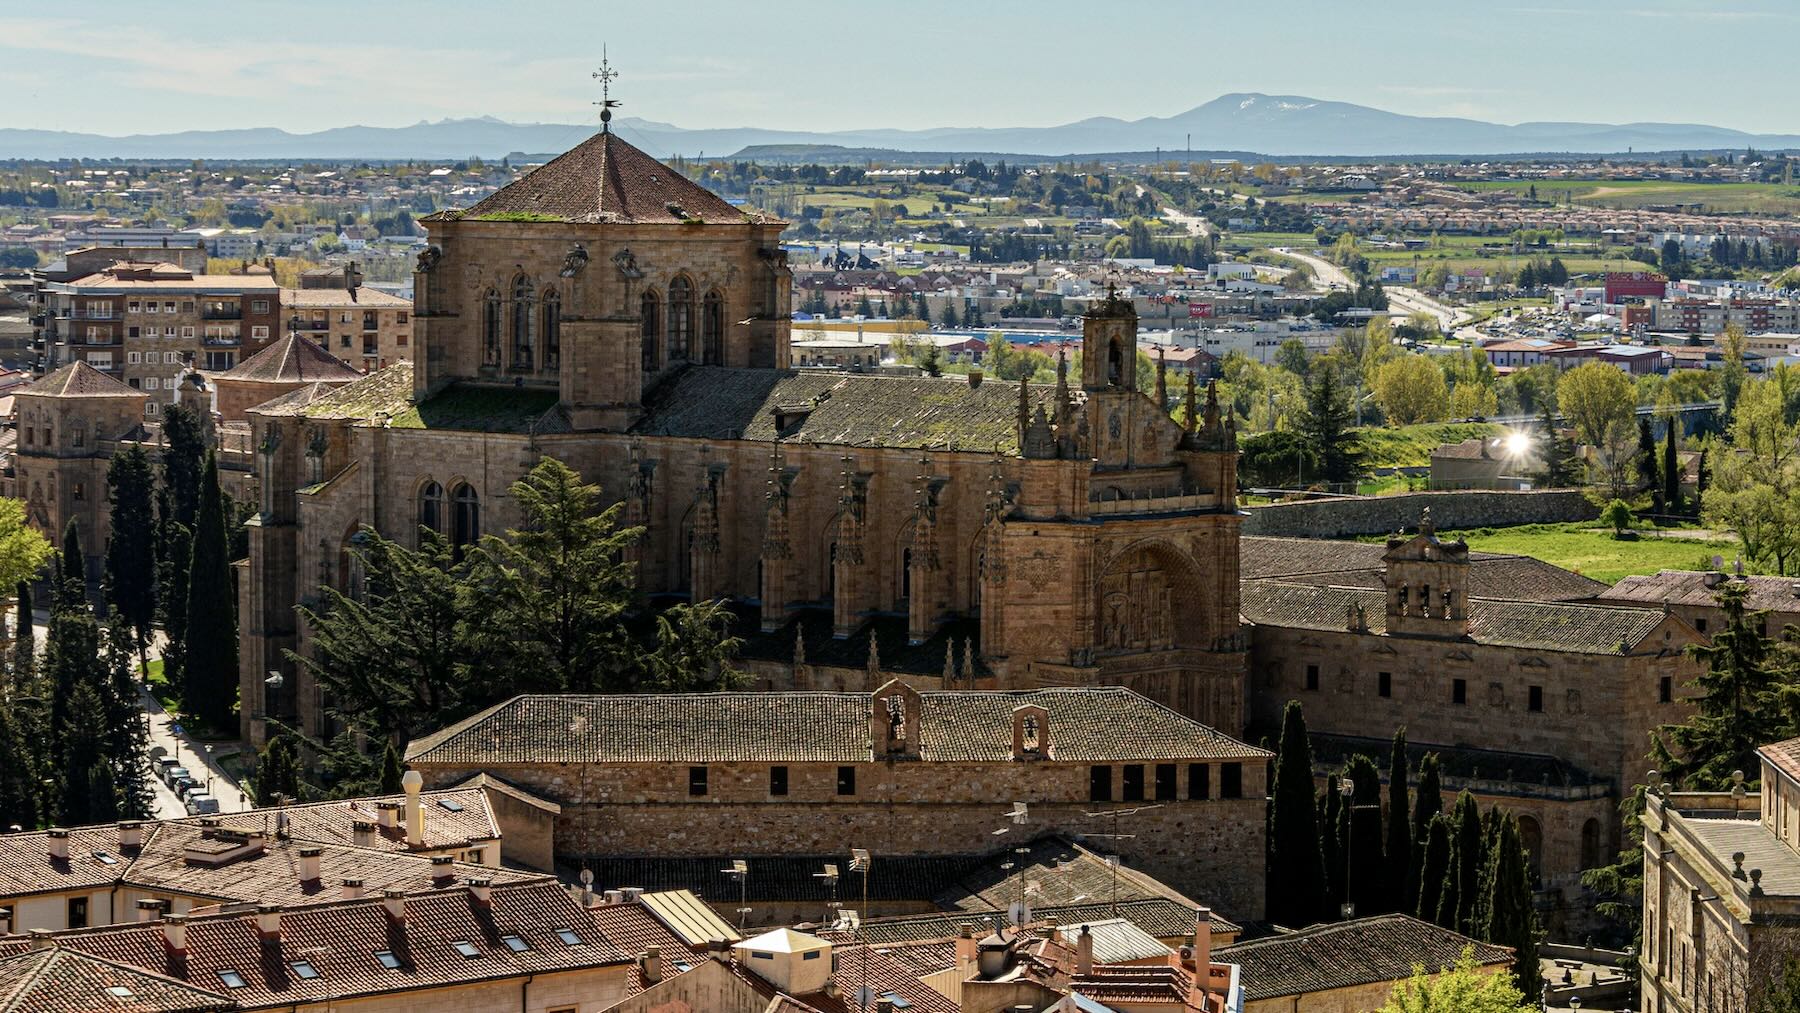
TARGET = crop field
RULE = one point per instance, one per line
(1756, 198)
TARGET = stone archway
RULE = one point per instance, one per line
(1151, 598)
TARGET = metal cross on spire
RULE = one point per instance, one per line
(606, 76)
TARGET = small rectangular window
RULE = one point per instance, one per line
(568, 937)
(232, 979)
(1700, 625)
(78, 912)
(1459, 691)
(1231, 780)
(1165, 782)
(1132, 785)
(1199, 780)
(1099, 784)
(304, 970)
(1384, 683)
(778, 780)
(1534, 698)
(1665, 690)
(1312, 677)
(515, 943)
(466, 948)
(846, 781)
(696, 781)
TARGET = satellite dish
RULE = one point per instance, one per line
(587, 877)
(1018, 912)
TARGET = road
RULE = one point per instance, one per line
(1326, 275)
(1414, 301)
(1194, 224)
(195, 757)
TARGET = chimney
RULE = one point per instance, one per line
(40, 939)
(353, 889)
(1084, 952)
(481, 889)
(387, 812)
(309, 864)
(415, 813)
(268, 922)
(1202, 943)
(131, 835)
(362, 833)
(965, 945)
(652, 964)
(59, 843)
(443, 870)
(975, 376)
(394, 902)
(884, 1005)
(175, 934)
(149, 910)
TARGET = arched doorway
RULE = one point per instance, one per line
(1151, 599)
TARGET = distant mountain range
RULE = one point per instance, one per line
(1275, 125)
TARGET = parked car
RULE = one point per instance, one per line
(161, 766)
(201, 804)
(173, 775)
(186, 785)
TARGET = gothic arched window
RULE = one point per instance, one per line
(431, 506)
(552, 330)
(523, 323)
(649, 315)
(712, 329)
(1115, 364)
(490, 330)
(466, 526)
(681, 319)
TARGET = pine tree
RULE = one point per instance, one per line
(1561, 469)
(131, 549)
(24, 637)
(1367, 876)
(1739, 708)
(1397, 893)
(390, 770)
(19, 787)
(1671, 468)
(1296, 879)
(1511, 919)
(1434, 869)
(1326, 429)
(210, 672)
(1428, 801)
(1468, 853)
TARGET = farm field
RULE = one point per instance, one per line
(1757, 198)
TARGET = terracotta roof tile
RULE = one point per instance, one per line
(293, 358)
(1347, 954)
(78, 379)
(1785, 755)
(454, 818)
(603, 179)
(59, 980)
(1086, 724)
(372, 398)
(362, 297)
(1699, 588)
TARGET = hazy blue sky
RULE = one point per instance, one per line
(113, 66)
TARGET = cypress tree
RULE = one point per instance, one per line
(1435, 868)
(1331, 847)
(390, 769)
(1428, 801)
(277, 772)
(19, 787)
(131, 549)
(1561, 468)
(1671, 468)
(1463, 885)
(1648, 473)
(1296, 874)
(71, 569)
(1397, 893)
(175, 549)
(1702, 479)
(24, 637)
(128, 737)
(1367, 877)
(183, 458)
(1511, 918)
(210, 670)
(87, 777)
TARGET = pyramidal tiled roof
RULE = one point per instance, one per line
(294, 359)
(78, 379)
(57, 980)
(603, 179)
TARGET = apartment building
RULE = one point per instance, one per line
(362, 326)
(145, 322)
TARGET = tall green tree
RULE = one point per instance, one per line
(1327, 424)
(1561, 468)
(277, 772)
(210, 670)
(131, 548)
(127, 734)
(1363, 857)
(1671, 467)
(1434, 869)
(391, 772)
(1649, 473)
(23, 551)
(175, 554)
(20, 790)
(88, 793)
(1511, 919)
(1397, 893)
(1428, 801)
(1739, 708)
(71, 568)
(24, 659)
(1296, 873)
(183, 461)
(1619, 885)
(1461, 895)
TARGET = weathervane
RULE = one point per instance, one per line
(606, 75)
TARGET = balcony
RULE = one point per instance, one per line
(219, 342)
(221, 312)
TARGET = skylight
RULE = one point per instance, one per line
(388, 960)
(466, 948)
(304, 970)
(118, 991)
(451, 804)
(568, 937)
(897, 999)
(232, 979)
(105, 859)
(515, 944)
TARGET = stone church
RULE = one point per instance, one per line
(607, 311)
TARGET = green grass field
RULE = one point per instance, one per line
(1596, 553)
(1411, 446)
(1758, 198)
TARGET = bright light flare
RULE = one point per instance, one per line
(1518, 444)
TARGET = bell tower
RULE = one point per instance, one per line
(1109, 344)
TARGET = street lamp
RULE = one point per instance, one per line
(1346, 788)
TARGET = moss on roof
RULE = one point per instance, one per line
(483, 409)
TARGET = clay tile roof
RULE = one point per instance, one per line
(1698, 588)
(293, 359)
(339, 940)
(1514, 578)
(454, 818)
(1085, 724)
(1348, 954)
(1065, 872)
(851, 409)
(604, 179)
(1784, 755)
(78, 379)
(382, 393)
(26, 866)
(1541, 626)
(58, 980)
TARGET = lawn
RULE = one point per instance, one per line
(1411, 446)
(1589, 550)
(1758, 198)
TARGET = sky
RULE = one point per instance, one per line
(126, 66)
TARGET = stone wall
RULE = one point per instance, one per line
(1377, 515)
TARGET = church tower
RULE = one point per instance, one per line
(1109, 345)
(1427, 583)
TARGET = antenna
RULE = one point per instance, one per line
(740, 871)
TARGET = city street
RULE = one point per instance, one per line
(200, 762)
